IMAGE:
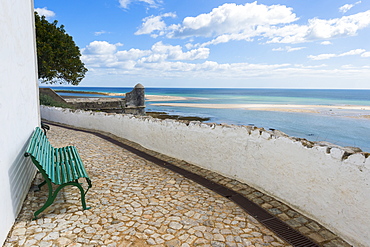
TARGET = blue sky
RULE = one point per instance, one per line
(214, 43)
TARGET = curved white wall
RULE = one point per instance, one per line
(19, 107)
(322, 182)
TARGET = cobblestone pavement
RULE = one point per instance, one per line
(137, 203)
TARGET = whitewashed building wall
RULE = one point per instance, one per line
(19, 109)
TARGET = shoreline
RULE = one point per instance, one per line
(353, 111)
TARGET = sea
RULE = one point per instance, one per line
(339, 130)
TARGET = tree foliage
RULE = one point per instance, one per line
(58, 57)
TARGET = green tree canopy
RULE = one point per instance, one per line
(58, 57)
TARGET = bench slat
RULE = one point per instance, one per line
(80, 166)
(77, 160)
(40, 148)
(33, 145)
(47, 153)
(72, 164)
(51, 154)
(67, 175)
(51, 167)
(62, 165)
(39, 151)
(63, 173)
(58, 166)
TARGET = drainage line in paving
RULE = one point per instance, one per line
(276, 225)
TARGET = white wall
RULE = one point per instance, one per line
(19, 113)
(315, 180)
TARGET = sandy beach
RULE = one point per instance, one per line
(356, 111)
(164, 98)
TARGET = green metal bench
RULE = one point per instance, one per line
(59, 166)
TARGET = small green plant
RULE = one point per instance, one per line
(49, 101)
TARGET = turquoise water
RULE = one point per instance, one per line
(343, 131)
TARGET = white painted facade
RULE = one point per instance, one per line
(19, 107)
(320, 181)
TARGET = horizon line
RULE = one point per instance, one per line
(76, 86)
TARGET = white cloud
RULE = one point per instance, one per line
(326, 42)
(347, 7)
(348, 66)
(246, 22)
(310, 66)
(154, 23)
(231, 18)
(190, 46)
(101, 54)
(278, 49)
(99, 48)
(322, 56)
(45, 12)
(151, 24)
(288, 49)
(152, 3)
(100, 32)
(365, 54)
(352, 52)
(176, 53)
(132, 54)
(124, 3)
(318, 29)
(331, 55)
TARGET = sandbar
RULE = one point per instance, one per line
(164, 98)
(338, 110)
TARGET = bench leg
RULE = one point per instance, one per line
(83, 193)
(78, 185)
(48, 202)
(40, 185)
(52, 197)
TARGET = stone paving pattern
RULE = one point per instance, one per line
(137, 203)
